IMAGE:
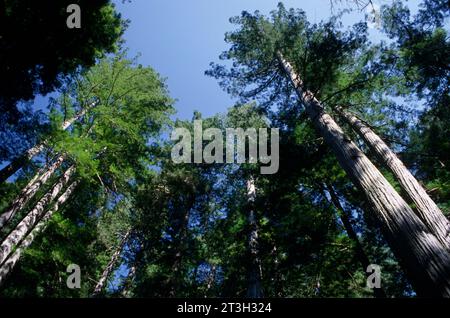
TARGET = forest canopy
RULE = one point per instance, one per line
(359, 204)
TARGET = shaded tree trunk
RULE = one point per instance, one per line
(421, 254)
(255, 272)
(31, 219)
(110, 266)
(19, 162)
(30, 190)
(8, 265)
(426, 208)
(181, 235)
(360, 254)
(211, 279)
(128, 282)
(278, 276)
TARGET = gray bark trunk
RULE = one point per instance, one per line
(126, 293)
(211, 280)
(427, 210)
(278, 276)
(255, 273)
(30, 190)
(110, 266)
(33, 216)
(8, 265)
(17, 163)
(180, 238)
(421, 254)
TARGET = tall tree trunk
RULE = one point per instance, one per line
(30, 190)
(427, 210)
(255, 272)
(211, 279)
(360, 254)
(110, 266)
(8, 265)
(18, 162)
(29, 221)
(181, 235)
(128, 282)
(278, 276)
(423, 257)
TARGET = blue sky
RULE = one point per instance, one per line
(179, 38)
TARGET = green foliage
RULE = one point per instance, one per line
(40, 27)
(111, 146)
(422, 56)
(190, 224)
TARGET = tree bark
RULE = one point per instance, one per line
(110, 266)
(211, 279)
(423, 257)
(30, 190)
(18, 162)
(29, 221)
(360, 254)
(180, 234)
(255, 273)
(8, 265)
(128, 282)
(278, 276)
(427, 210)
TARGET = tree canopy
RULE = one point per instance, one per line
(362, 180)
(38, 49)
